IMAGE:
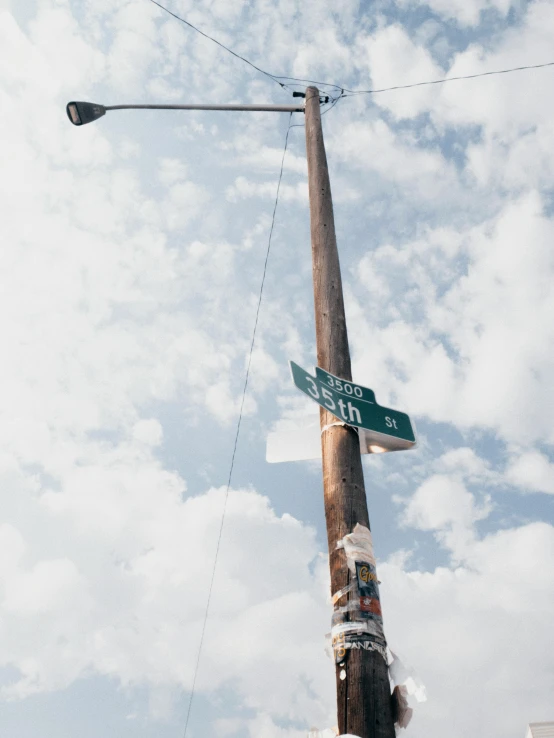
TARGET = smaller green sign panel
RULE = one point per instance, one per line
(353, 404)
(348, 389)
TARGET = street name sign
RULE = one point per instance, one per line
(387, 429)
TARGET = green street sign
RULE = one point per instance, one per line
(356, 405)
(346, 388)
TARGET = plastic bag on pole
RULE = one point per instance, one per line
(358, 546)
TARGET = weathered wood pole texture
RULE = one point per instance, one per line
(363, 697)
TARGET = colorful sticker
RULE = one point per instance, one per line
(339, 647)
(366, 644)
(368, 584)
(370, 606)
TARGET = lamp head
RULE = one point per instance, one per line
(80, 113)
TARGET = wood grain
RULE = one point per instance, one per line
(363, 698)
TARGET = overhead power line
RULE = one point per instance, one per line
(281, 80)
(289, 82)
(349, 93)
(215, 41)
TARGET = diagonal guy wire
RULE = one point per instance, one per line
(236, 434)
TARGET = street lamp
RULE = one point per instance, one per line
(80, 113)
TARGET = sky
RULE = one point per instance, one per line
(132, 257)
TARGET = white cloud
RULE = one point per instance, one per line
(480, 357)
(98, 308)
(185, 201)
(303, 39)
(444, 505)
(466, 464)
(532, 471)
(244, 188)
(12, 547)
(172, 171)
(220, 401)
(507, 117)
(525, 161)
(397, 159)
(507, 106)
(47, 587)
(268, 159)
(457, 621)
(489, 616)
(136, 608)
(148, 431)
(323, 52)
(404, 163)
(134, 47)
(392, 59)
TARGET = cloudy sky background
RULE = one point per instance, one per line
(132, 253)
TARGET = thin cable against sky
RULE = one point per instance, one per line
(215, 41)
(349, 93)
(249, 362)
(343, 91)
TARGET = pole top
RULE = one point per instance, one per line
(312, 92)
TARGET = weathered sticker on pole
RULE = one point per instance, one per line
(368, 588)
(388, 429)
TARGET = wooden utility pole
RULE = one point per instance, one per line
(363, 695)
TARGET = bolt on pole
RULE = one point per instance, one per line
(363, 695)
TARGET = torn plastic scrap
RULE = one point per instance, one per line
(406, 676)
(345, 590)
(401, 711)
(358, 546)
